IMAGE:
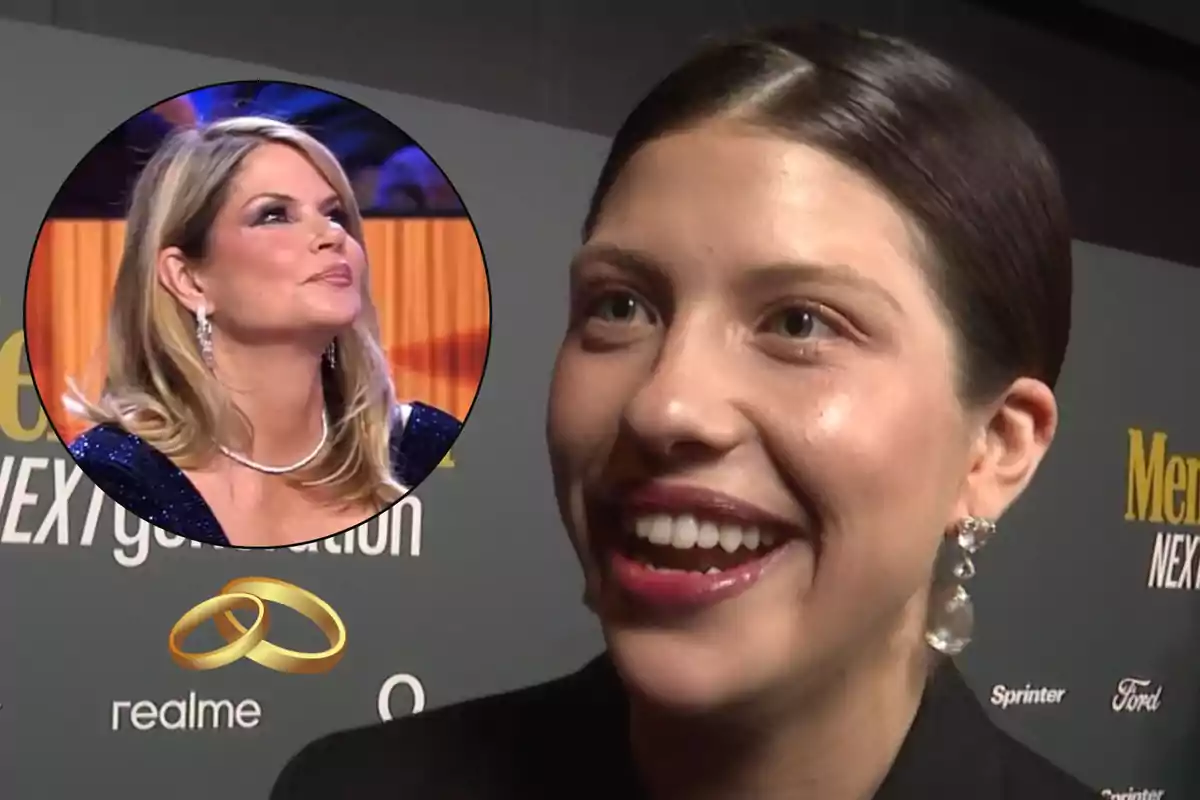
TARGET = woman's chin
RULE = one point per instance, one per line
(668, 670)
(334, 314)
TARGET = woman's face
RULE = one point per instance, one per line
(279, 261)
(753, 423)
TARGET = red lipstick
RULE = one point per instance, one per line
(716, 574)
(684, 590)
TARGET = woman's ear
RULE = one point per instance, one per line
(179, 279)
(1009, 449)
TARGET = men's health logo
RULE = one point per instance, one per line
(251, 642)
(1163, 488)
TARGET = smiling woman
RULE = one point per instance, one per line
(816, 320)
(247, 399)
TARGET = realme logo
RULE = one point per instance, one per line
(1161, 487)
(189, 713)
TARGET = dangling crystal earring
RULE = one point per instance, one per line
(331, 354)
(204, 334)
(951, 613)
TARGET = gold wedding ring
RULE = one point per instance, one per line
(251, 643)
(235, 648)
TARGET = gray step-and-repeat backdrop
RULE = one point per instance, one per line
(1088, 625)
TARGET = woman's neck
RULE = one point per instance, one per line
(836, 742)
(279, 390)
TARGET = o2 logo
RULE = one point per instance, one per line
(414, 690)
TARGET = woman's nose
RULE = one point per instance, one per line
(330, 235)
(688, 403)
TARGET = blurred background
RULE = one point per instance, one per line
(392, 176)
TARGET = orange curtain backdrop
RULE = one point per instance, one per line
(427, 278)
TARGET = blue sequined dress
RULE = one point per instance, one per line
(148, 484)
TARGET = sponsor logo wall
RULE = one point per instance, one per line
(95, 689)
(1092, 623)
(1088, 633)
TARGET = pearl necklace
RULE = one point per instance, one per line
(304, 462)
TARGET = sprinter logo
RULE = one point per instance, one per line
(1134, 794)
(1029, 695)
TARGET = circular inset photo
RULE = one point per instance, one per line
(257, 313)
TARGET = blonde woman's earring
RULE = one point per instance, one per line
(204, 334)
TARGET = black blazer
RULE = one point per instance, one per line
(567, 739)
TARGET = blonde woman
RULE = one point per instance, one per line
(247, 400)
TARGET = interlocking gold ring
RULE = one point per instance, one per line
(235, 649)
(251, 643)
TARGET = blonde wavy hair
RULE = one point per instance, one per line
(156, 384)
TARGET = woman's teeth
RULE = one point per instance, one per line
(686, 532)
(689, 543)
